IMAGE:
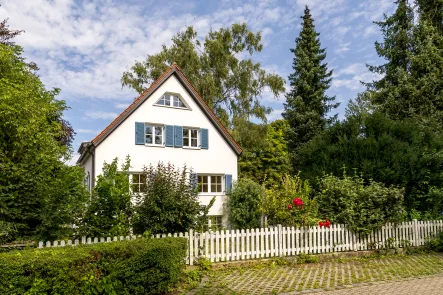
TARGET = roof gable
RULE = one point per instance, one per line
(172, 70)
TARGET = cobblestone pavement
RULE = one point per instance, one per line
(425, 286)
(349, 276)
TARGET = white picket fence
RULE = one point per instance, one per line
(234, 245)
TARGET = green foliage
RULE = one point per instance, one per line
(363, 207)
(412, 83)
(397, 42)
(267, 161)
(168, 203)
(435, 243)
(39, 195)
(307, 103)
(109, 209)
(244, 204)
(231, 86)
(204, 264)
(143, 266)
(400, 153)
(277, 198)
(432, 11)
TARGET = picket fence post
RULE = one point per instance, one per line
(415, 233)
(280, 235)
(191, 248)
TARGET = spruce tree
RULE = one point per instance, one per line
(412, 85)
(432, 10)
(307, 103)
(395, 49)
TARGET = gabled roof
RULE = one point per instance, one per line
(172, 70)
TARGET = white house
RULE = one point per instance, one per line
(171, 123)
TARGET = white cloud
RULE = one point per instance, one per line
(275, 115)
(121, 105)
(352, 75)
(322, 9)
(343, 48)
(87, 131)
(84, 47)
(100, 115)
(73, 160)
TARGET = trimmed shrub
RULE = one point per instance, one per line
(143, 266)
(244, 204)
(362, 206)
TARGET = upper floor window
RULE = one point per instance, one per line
(154, 134)
(190, 137)
(171, 100)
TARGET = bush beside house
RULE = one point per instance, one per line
(143, 266)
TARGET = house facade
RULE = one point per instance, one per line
(169, 123)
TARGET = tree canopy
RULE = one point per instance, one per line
(39, 194)
(232, 86)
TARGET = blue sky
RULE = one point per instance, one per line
(83, 47)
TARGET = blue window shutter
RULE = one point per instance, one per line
(194, 180)
(139, 133)
(178, 138)
(169, 129)
(228, 183)
(204, 140)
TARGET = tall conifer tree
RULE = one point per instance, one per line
(433, 11)
(395, 49)
(412, 85)
(307, 103)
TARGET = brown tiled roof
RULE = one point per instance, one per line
(138, 101)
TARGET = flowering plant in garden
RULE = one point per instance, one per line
(290, 204)
(325, 223)
(298, 202)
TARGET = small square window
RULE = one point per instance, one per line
(138, 183)
(154, 134)
(190, 137)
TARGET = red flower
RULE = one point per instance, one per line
(326, 223)
(289, 206)
(298, 202)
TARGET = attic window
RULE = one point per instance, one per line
(171, 100)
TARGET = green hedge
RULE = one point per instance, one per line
(143, 266)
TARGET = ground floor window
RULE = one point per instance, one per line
(215, 222)
(138, 182)
(210, 183)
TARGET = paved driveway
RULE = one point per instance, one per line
(425, 286)
(379, 276)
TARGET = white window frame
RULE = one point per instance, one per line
(171, 101)
(210, 192)
(153, 126)
(131, 183)
(189, 130)
(216, 226)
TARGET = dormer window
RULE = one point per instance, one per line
(171, 100)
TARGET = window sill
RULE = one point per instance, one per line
(154, 145)
(211, 194)
(191, 148)
(171, 107)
